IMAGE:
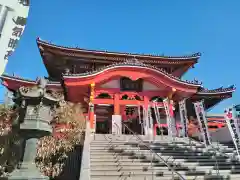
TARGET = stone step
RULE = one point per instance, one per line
(123, 159)
(219, 163)
(134, 173)
(139, 164)
(112, 157)
(174, 151)
(128, 168)
(110, 147)
(127, 163)
(206, 177)
(147, 158)
(119, 152)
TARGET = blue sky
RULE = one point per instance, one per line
(155, 27)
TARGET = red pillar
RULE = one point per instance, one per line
(146, 102)
(91, 115)
(116, 105)
(91, 107)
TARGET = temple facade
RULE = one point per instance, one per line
(114, 88)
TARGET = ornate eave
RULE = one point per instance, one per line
(218, 91)
(214, 96)
(134, 64)
(13, 83)
(67, 55)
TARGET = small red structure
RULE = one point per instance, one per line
(111, 84)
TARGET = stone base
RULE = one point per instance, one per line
(27, 172)
(116, 124)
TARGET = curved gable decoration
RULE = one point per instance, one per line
(151, 75)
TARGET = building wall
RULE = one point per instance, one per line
(112, 84)
(147, 86)
(13, 15)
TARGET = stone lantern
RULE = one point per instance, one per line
(36, 112)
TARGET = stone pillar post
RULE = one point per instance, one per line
(37, 108)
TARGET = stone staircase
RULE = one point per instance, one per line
(126, 157)
(210, 162)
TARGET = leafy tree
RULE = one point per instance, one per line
(52, 151)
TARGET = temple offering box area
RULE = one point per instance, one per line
(115, 88)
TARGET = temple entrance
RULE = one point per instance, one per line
(102, 127)
(132, 118)
(104, 118)
(161, 130)
(129, 113)
(160, 125)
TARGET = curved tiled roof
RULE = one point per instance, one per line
(192, 57)
(220, 90)
(134, 64)
(5, 76)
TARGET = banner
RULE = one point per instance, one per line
(140, 119)
(13, 19)
(145, 121)
(150, 121)
(170, 117)
(233, 127)
(202, 121)
(157, 116)
(236, 115)
(183, 117)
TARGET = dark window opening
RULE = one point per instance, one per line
(212, 127)
(104, 96)
(162, 131)
(127, 84)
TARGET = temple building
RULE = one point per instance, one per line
(121, 87)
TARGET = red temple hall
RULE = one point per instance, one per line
(122, 87)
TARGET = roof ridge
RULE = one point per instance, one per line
(216, 90)
(184, 57)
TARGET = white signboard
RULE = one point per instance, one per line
(116, 124)
(13, 18)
